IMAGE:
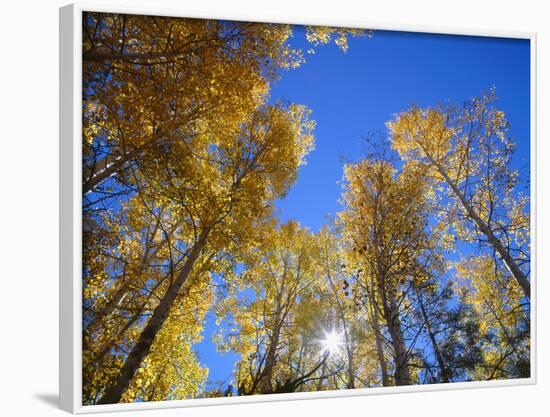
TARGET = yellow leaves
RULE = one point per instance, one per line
(90, 133)
(447, 241)
(285, 274)
(93, 121)
(385, 226)
(303, 127)
(95, 288)
(466, 150)
(519, 220)
(171, 370)
(281, 138)
(213, 156)
(493, 295)
(322, 35)
(496, 300)
(319, 34)
(499, 118)
(184, 121)
(421, 132)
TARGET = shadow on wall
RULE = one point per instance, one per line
(49, 399)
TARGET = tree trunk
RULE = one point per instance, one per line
(393, 323)
(402, 372)
(117, 298)
(510, 263)
(379, 343)
(351, 370)
(184, 50)
(444, 372)
(138, 57)
(106, 169)
(347, 338)
(107, 348)
(108, 309)
(141, 349)
(265, 386)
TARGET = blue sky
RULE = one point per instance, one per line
(353, 94)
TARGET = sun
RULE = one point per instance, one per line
(332, 343)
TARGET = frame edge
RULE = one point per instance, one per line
(70, 351)
(67, 350)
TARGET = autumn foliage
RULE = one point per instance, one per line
(184, 155)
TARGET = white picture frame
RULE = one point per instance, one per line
(70, 63)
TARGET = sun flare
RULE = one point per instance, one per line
(332, 343)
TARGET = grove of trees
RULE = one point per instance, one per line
(184, 155)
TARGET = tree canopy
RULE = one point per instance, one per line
(184, 156)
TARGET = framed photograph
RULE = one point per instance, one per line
(262, 210)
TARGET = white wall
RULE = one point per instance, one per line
(29, 208)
